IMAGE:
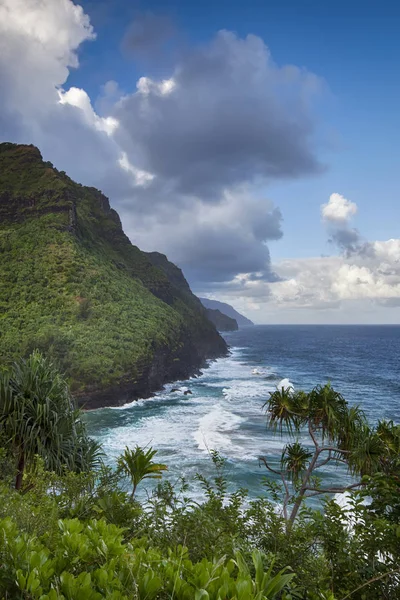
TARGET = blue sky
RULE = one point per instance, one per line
(354, 46)
(263, 161)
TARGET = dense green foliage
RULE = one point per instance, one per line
(222, 322)
(73, 534)
(38, 418)
(73, 285)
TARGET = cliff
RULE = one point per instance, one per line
(72, 284)
(222, 322)
(227, 310)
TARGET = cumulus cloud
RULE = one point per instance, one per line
(227, 115)
(39, 43)
(183, 158)
(336, 215)
(366, 279)
(338, 209)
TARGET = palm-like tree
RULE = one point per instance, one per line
(295, 460)
(137, 464)
(38, 417)
(339, 434)
(327, 411)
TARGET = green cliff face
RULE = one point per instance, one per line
(71, 284)
(222, 322)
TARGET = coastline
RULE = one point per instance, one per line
(155, 380)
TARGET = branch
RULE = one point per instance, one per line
(312, 435)
(263, 460)
(324, 462)
(341, 490)
(330, 457)
(333, 449)
(287, 496)
(394, 572)
(281, 475)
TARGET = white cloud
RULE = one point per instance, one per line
(79, 98)
(338, 209)
(183, 159)
(175, 155)
(145, 86)
(368, 279)
(38, 44)
(140, 178)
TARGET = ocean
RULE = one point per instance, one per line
(225, 411)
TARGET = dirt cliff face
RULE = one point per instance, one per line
(120, 322)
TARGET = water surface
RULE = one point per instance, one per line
(225, 410)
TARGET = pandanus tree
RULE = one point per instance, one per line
(338, 434)
(39, 418)
(138, 464)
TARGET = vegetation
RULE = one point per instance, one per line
(38, 418)
(68, 530)
(222, 322)
(338, 435)
(72, 285)
(137, 464)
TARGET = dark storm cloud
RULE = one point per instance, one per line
(267, 225)
(216, 256)
(229, 115)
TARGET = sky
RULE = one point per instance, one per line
(255, 143)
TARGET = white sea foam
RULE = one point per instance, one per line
(133, 404)
(216, 428)
(256, 371)
(223, 413)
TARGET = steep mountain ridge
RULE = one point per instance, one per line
(227, 310)
(72, 284)
(222, 322)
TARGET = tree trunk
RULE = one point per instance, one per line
(20, 472)
(303, 488)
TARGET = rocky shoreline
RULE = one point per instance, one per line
(153, 379)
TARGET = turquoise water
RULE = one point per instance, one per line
(225, 410)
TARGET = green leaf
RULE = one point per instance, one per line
(201, 595)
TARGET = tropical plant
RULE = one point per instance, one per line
(338, 435)
(91, 561)
(137, 464)
(38, 417)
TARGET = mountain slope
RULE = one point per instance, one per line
(228, 310)
(222, 322)
(72, 284)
